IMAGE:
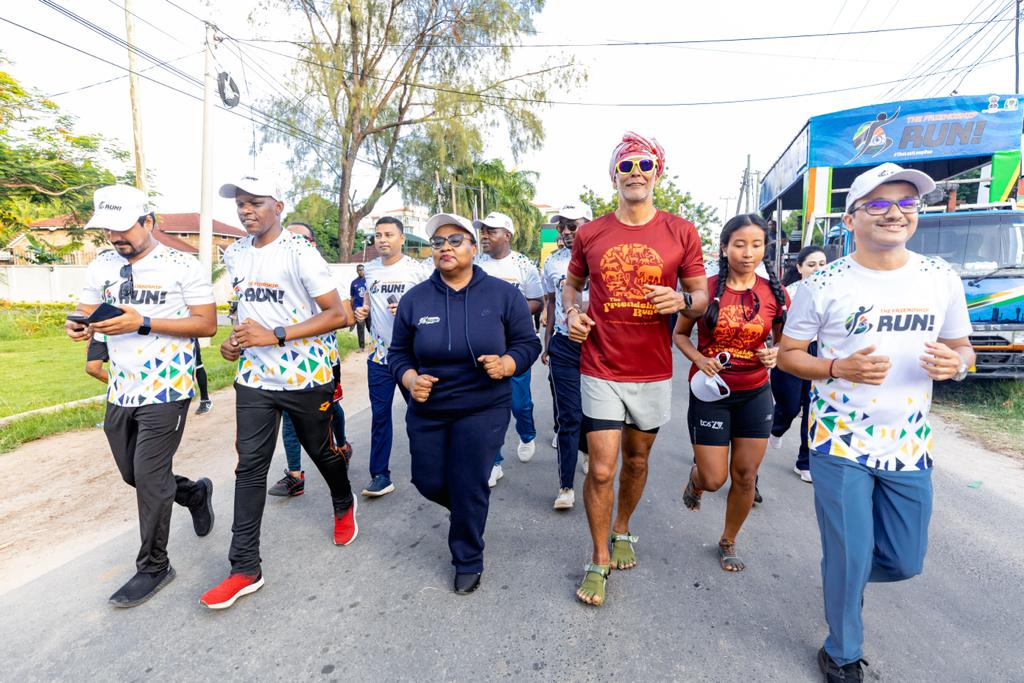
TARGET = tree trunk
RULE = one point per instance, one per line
(346, 231)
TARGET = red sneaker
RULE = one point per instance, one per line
(345, 527)
(230, 589)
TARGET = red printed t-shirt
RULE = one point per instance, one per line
(739, 336)
(630, 339)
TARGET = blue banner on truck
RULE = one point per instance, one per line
(912, 130)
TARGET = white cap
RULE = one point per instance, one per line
(574, 211)
(118, 207)
(257, 186)
(709, 389)
(496, 219)
(888, 172)
(439, 220)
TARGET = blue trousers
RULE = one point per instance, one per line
(382, 394)
(292, 447)
(564, 364)
(522, 409)
(874, 527)
(792, 397)
(451, 462)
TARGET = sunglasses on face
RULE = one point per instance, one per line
(625, 167)
(455, 240)
(128, 286)
(569, 225)
(880, 207)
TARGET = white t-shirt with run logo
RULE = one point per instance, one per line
(277, 285)
(153, 368)
(515, 269)
(553, 281)
(849, 307)
(389, 282)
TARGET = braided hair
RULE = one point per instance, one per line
(732, 225)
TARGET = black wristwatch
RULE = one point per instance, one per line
(280, 334)
(145, 328)
(688, 300)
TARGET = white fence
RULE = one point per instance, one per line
(63, 284)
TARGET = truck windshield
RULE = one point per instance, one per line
(973, 244)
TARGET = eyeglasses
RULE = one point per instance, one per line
(128, 286)
(756, 307)
(880, 207)
(625, 167)
(455, 240)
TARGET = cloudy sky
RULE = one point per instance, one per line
(670, 88)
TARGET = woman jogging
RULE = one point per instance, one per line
(792, 394)
(731, 419)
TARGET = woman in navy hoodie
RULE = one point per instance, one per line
(457, 338)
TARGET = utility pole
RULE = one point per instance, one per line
(205, 197)
(746, 187)
(725, 208)
(1016, 50)
(455, 208)
(133, 95)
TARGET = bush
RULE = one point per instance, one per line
(29, 321)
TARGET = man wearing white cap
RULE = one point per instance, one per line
(563, 355)
(889, 322)
(498, 260)
(288, 308)
(166, 301)
(388, 278)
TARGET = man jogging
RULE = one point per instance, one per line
(167, 300)
(288, 308)
(889, 322)
(357, 294)
(388, 277)
(635, 259)
(563, 355)
(498, 260)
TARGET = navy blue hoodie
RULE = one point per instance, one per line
(441, 332)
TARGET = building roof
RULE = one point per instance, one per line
(174, 242)
(187, 223)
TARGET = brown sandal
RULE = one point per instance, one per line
(691, 494)
(728, 558)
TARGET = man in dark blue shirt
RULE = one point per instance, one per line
(357, 292)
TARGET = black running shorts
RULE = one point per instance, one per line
(741, 415)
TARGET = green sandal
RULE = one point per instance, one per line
(594, 580)
(623, 554)
(691, 494)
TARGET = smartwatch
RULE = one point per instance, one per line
(280, 334)
(145, 328)
(688, 300)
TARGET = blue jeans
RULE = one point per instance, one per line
(382, 394)
(874, 527)
(564, 365)
(292, 447)
(792, 397)
(522, 410)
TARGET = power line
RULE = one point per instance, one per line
(147, 23)
(117, 78)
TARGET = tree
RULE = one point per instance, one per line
(379, 77)
(667, 197)
(46, 169)
(321, 214)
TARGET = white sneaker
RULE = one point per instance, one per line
(565, 500)
(584, 462)
(496, 474)
(554, 442)
(775, 441)
(805, 475)
(526, 450)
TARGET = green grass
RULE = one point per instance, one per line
(991, 411)
(46, 371)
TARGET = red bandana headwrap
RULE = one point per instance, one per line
(634, 145)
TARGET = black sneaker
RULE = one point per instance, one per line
(380, 486)
(141, 587)
(289, 486)
(204, 407)
(840, 674)
(202, 512)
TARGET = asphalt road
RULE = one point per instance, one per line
(382, 608)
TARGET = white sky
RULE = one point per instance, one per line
(706, 146)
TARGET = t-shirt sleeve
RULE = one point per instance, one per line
(316, 277)
(546, 281)
(196, 287)
(692, 264)
(958, 321)
(91, 293)
(804, 320)
(532, 288)
(578, 260)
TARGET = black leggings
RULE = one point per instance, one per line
(204, 389)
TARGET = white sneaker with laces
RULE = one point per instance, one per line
(554, 442)
(584, 462)
(496, 474)
(805, 475)
(526, 450)
(565, 500)
(775, 441)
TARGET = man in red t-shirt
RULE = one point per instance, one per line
(635, 258)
